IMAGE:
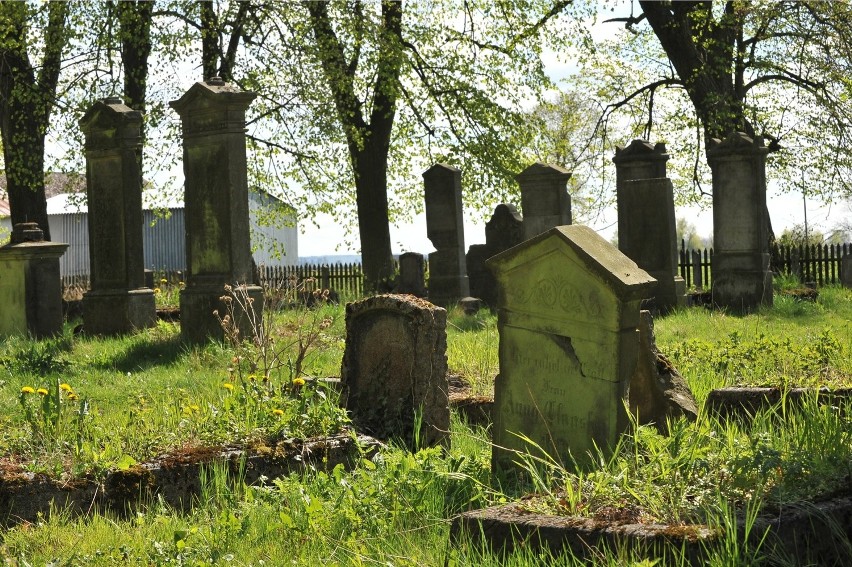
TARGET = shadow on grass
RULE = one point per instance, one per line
(142, 355)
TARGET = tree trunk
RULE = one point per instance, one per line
(25, 105)
(23, 152)
(702, 51)
(368, 142)
(209, 39)
(370, 167)
(135, 29)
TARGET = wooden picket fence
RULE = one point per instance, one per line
(817, 263)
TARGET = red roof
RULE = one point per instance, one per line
(5, 211)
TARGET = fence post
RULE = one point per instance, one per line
(696, 269)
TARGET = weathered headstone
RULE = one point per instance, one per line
(742, 280)
(30, 284)
(411, 274)
(544, 198)
(657, 390)
(394, 370)
(568, 311)
(646, 219)
(504, 230)
(448, 280)
(846, 271)
(218, 250)
(118, 301)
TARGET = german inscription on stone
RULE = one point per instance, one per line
(568, 309)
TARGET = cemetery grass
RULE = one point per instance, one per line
(142, 394)
(128, 399)
(793, 344)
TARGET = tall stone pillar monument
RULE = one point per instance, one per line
(118, 301)
(742, 280)
(448, 281)
(545, 202)
(218, 249)
(646, 219)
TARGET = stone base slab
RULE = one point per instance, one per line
(809, 533)
(198, 323)
(28, 497)
(115, 312)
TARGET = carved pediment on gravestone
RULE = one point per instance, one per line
(641, 150)
(736, 142)
(569, 273)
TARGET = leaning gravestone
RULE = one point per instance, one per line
(646, 219)
(218, 249)
(544, 198)
(448, 280)
(742, 280)
(118, 301)
(30, 284)
(568, 311)
(504, 230)
(394, 370)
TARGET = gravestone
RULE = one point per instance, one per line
(504, 230)
(411, 274)
(658, 393)
(448, 280)
(646, 219)
(30, 284)
(742, 280)
(395, 367)
(568, 311)
(218, 249)
(544, 198)
(118, 300)
(846, 271)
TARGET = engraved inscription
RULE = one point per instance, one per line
(558, 292)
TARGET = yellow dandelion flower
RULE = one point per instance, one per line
(42, 391)
(72, 396)
(298, 381)
(156, 290)
(228, 386)
(65, 387)
(194, 407)
(163, 280)
(28, 390)
(252, 377)
(277, 412)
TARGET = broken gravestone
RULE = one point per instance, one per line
(568, 310)
(394, 373)
(646, 219)
(544, 197)
(448, 280)
(657, 390)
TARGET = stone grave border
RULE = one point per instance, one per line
(803, 532)
(173, 477)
